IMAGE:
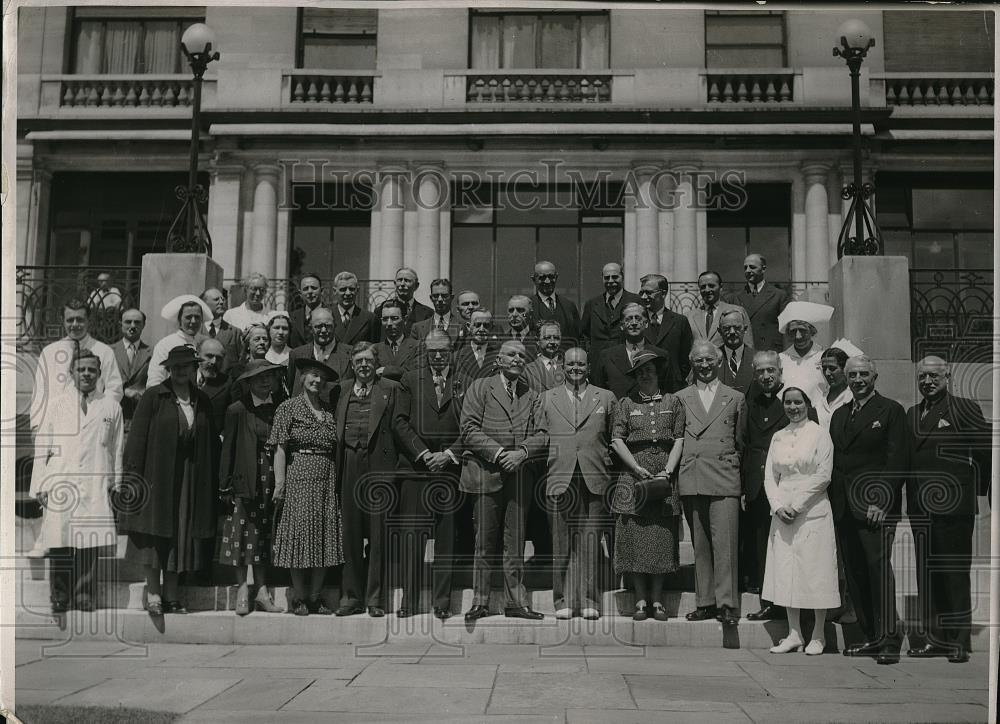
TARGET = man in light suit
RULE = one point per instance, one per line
(667, 329)
(709, 478)
(443, 319)
(132, 356)
(737, 370)
(601, 322)
(763, 303)
(612, 368)
(351, 323)
(550, 306)
(949, 454)
(396, 353)
(869, 465)
(578, 418)
(546, 371)
(704, 319)
(502, 431)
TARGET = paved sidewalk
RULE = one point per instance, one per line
(495, 683)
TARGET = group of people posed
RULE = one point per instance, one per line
(333, 436)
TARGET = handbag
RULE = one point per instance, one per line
(650, 494)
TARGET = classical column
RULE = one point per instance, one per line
(224, 215)
(629, 255)
(666, 191)
(34, 187)
(647, 223)
(391, 208)
(429, 192)
(798, 264)
(817, 245)
(834, 218)
(686, 224)
(260, 256)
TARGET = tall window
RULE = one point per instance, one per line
(740, 39)
(762, 226)
(337, 39)
(110, 40)
(533, 40)
(331, 230)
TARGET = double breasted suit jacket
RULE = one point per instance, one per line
(492, 423)
(455, 329)
(466, 367)
(870, 457)
(696, 318)
(744, 372)
(763, 309)
(423, 422)
(674, 336)
(565, 313)
(133, 373)
(578, 438)
(710, 461)
(406, 358)
(361, 326)
(220, 393)
(339, 360)
(383, 453)
(601, 326)
(949, 456)
(611, 370)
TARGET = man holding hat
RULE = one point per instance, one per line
(190, 313)
(800, 363)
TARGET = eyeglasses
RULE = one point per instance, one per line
(545, 277)
(732, 328)
(441, 296)
(322, 325)
(522, 310)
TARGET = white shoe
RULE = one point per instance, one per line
(591, 614)
(815, 647)
(564, 613)
(786, 646)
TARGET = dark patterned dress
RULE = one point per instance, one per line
(308, 532)
(647, 544)
(245, 537)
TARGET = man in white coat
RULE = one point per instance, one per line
(52, 375)
(78, 461)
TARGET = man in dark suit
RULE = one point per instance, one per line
(324, 348)
(213, 380)
(218, 328)
(366, 463)
(611, 372)
(546, 370)
(704, 318)
(869, 463)
(443, 318)
(667, 330)
(351, 323)
(397, 354)
(428, 415)
(502, 432)
(520, 325)
(467, 302)
(763, 303)
(551, 306)
(737, 369)
(311, 292)
(949, 454)
(601, 322)
(132, 356)
(477, 358)
(406, 282)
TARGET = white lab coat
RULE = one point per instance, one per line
(53, 378)
(78, 459)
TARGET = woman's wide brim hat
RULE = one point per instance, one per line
(308, 363)
(809, 312)
(645, 358)
(173, 307)
(182, 354)
(258, 367)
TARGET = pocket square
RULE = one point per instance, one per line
(599, 411)
(876, 425)
(943, 423)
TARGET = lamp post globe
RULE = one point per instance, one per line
(198, 38)
(854, 34)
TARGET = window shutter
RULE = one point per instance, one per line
(946, 41)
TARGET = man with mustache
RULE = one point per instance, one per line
(601, 321)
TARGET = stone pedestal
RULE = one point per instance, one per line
(871, 300)
(165, 276)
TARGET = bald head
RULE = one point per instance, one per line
(933, 376)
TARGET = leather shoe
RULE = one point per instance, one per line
(404, 613)
(174, 607)
(959, 656)
(869, 648)
(728, 616)
(442, 613)
(770, 612)
(523, 612)
(887, 657)
(376, 611)
(348, 610)
(928, 651)
(155, 608)
(476, 612)
(702, 613)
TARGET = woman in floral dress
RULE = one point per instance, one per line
(307, 536)
(647, 435)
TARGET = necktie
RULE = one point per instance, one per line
(708, 321)
(753, 291)
(394, 346)
(439, 388)
(211, 329)
(733, 367)
(478, 351)
(551, 304)
(130, 352)
(855, 409)
(83, 403)
(362, 392)
(345, 317)
(510, 390)
(607, 300)
(576, 407)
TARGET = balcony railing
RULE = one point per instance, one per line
(330, 87)
(534, 86)
(740, 86)
(124, 91)
(923, 89)
(951, 309)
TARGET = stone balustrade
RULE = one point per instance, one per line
(523, 86)
(969, 89)
(330, 86)
(128, 91)
(765, 86)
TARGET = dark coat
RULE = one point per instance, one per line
(610, 371)
(530, 341)
(133, 374)
(744, 374)
(339, 360)
(383, 454)
(869, 458)
(465, 362)
(423, 424)
(219, 391)
(675, 337)
(763, 310)
(363, 327)
(238, 461)
(949, 453)
(300, 332)
(149, 463)
(406, 358)
(565, 313)
(456, 329)
(601, 327)
(417, 312)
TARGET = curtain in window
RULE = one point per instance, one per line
(88, 47)
(559, 41)
(121, 47)
(485, 42)
(161, 48)
(594, 42)
(519, 41)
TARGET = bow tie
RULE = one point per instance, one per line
(643, 397)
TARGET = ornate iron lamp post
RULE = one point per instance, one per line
(855, 39)
(196, 44)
